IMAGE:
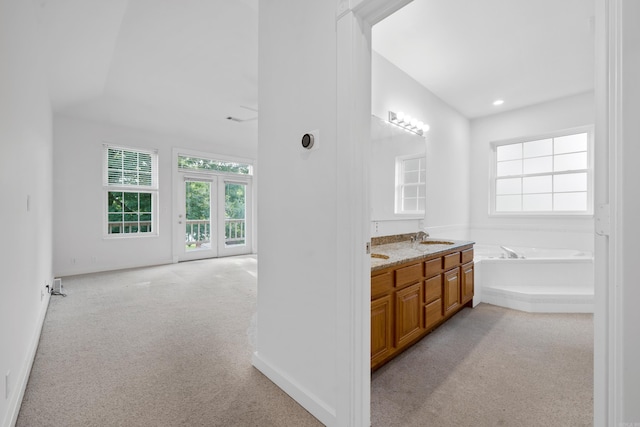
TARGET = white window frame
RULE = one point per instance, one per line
(153, 189)
(400, 185)
(589, 130)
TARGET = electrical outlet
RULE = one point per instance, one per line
(6, 384)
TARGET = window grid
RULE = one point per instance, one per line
(511, 178)
(130, 191)
(411, 189)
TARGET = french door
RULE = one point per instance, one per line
(197, 218)
(213, 216)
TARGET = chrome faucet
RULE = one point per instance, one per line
(420, 236)
(510, 252)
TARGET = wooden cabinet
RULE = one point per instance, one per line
(381, 284)
(409, 274)
(411, 299)
(381, 345)
(408, 315)
(466, 285)
(451, 291)
(433, 301)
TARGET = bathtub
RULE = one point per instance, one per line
(539, 280)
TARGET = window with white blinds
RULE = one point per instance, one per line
(545, 175)
(131, 191)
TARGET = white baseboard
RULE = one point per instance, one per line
(25, 369)
(319, 409)
(539, 301)
(102, 268)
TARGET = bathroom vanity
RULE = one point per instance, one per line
(415, 287)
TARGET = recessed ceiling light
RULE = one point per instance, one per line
(498, 102)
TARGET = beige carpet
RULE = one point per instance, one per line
(161, 346)
(171, 346)
(491, 366)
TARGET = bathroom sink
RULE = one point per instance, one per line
(435, 242)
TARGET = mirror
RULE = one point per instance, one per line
(388, 143)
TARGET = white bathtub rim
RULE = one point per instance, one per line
(494, 252)
(543, 297)
(574, 260)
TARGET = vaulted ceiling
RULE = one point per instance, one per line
(183, 66)
(175, 66)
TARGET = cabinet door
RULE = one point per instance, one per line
(381, 345)
(408, 314)
(432, 313)
(466, 287)
(451, 291)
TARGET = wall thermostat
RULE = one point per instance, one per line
(307, 141)
(310, 141)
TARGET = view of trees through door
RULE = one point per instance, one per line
(235, 201)
(214, 208)
(198, 215)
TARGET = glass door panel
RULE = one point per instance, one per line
(197, 215)
(196, 234)
(235, 219)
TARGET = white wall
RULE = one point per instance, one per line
(573, 232)
(630, 213)
(447, 212)
(297, 206)
(78, 206)
(25, 191)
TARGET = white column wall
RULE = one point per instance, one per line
(556, 232)
(26, 200)
(297, 206)
(79, 242)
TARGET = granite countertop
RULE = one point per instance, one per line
(403, 251)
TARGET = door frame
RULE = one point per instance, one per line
(354, 21)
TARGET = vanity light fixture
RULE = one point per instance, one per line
(409, 123)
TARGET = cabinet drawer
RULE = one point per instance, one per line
(451, 260)
(432, 313)
(433, 288)
(467, 256)
(410, 274)
(433, 267)
(381, 283)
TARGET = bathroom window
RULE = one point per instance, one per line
(130, 186)
(411, 184)
(551, 174)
